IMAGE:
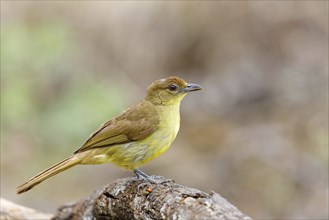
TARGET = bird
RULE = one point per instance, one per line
(136, 136)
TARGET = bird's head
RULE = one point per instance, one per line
(169, 91)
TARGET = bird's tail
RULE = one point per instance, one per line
(57, 168)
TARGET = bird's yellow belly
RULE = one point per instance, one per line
(137, 153)
(134, 154)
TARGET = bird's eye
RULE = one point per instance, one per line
(172, 87)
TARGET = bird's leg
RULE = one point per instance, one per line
(142, 175)
(137, 175)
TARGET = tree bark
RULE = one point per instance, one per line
(130, 198)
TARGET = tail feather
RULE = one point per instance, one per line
(57, 168)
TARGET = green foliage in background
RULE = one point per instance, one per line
(59, 108)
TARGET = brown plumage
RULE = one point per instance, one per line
(131, 125)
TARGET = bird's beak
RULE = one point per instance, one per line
(192, 87)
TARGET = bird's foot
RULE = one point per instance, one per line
(152, 179)
(145, 186)
(143, 176)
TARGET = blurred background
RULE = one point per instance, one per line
(257, 134)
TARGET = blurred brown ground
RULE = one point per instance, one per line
(257, 134)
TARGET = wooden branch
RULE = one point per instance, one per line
(12, 211)
(130, 198)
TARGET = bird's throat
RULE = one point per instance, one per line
(169, 119)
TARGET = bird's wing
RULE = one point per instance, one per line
(134, 124)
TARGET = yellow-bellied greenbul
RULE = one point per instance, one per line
(136, 136)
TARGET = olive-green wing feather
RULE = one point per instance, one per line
(133, 124)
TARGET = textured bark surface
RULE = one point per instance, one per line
(136, 199)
